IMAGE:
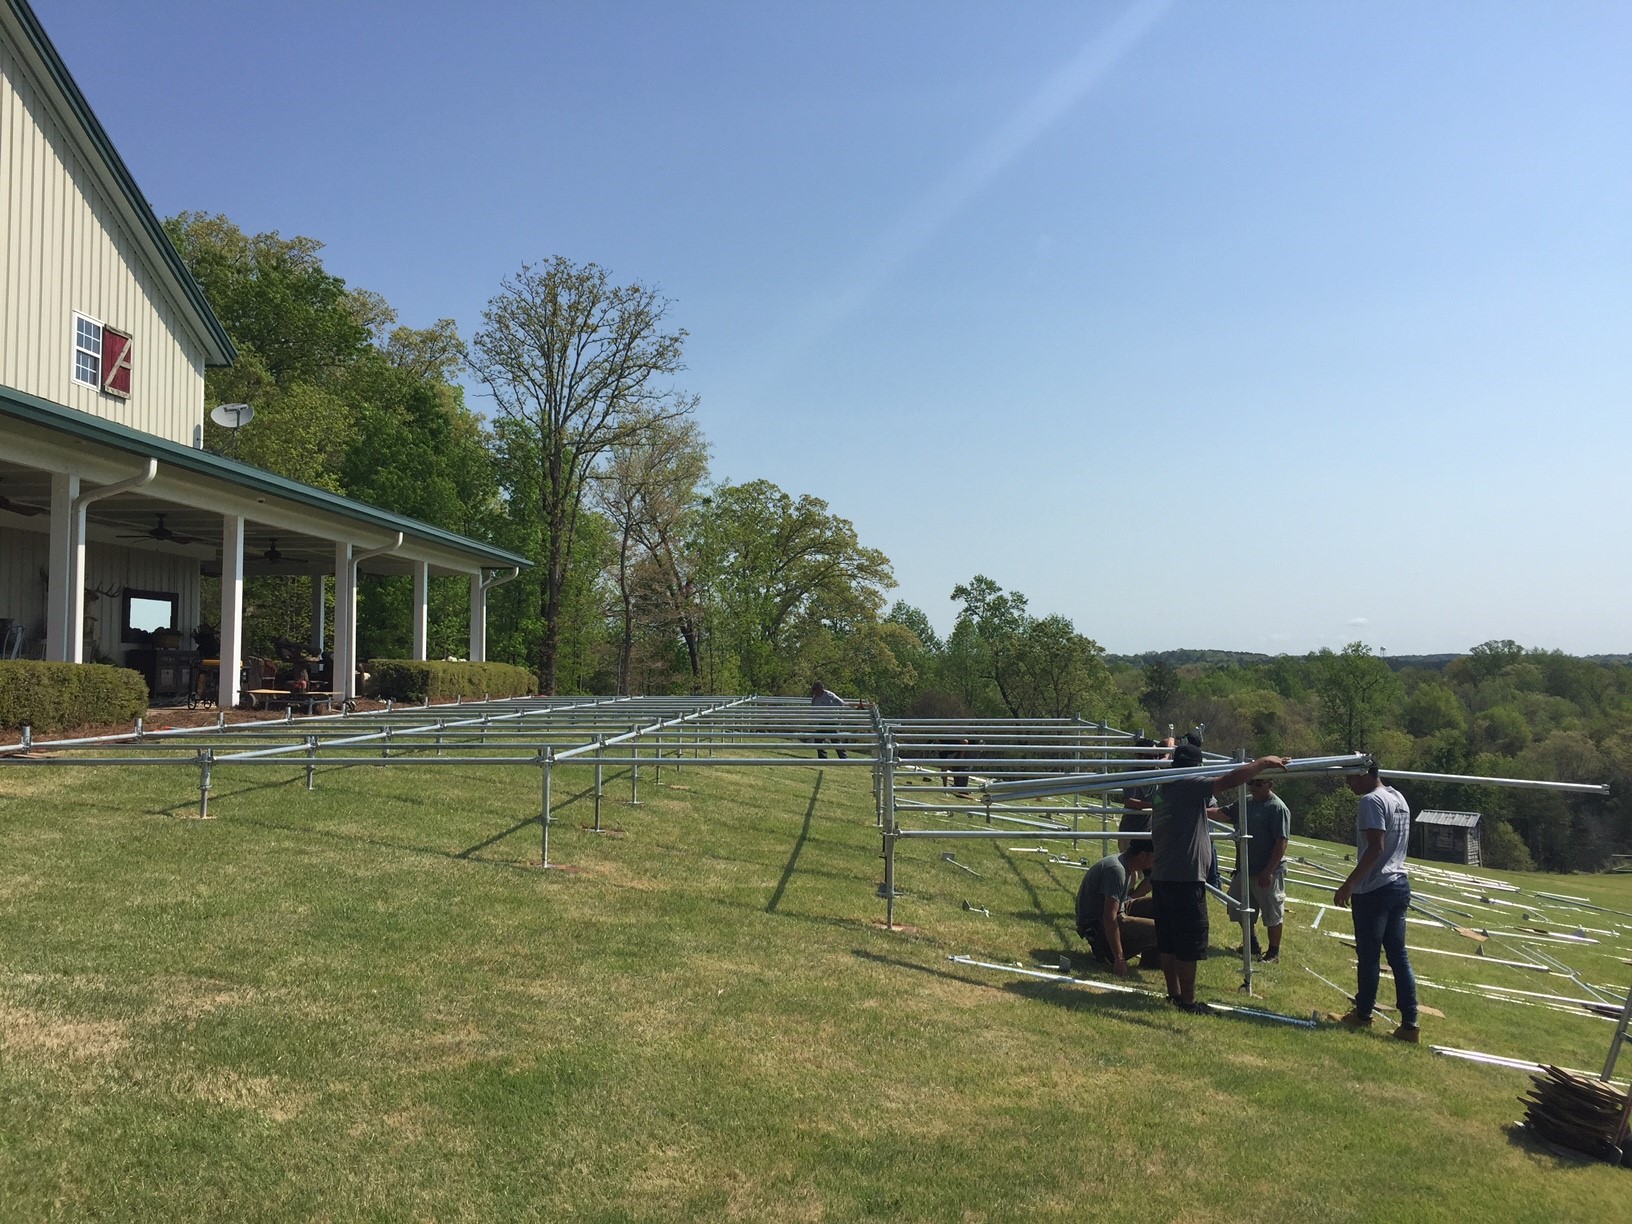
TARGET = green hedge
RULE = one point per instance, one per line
(51, 696)
(434, 680)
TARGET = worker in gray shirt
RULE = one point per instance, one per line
(1269, 826)
(1103, 898)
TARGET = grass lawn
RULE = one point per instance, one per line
(363, 1003)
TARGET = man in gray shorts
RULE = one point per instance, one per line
(1269, 825)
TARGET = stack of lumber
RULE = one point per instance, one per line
(1584, 1115)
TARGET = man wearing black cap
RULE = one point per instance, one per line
(1183, 855)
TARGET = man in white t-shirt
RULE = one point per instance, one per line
(1380, 894)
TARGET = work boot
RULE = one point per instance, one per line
(1351, 1019)
(1408, 1032)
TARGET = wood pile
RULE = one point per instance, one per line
(1582, 1114)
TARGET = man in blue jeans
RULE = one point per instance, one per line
(1380, 893)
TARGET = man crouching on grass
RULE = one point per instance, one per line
(1183, 854)
(1103, 918)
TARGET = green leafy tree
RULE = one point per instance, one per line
(913, 619)
(780, 570)
(1433, 708)
(1355, 690)
(1160, 690)
(997, 619)
(1492, 658)
(1502, 729)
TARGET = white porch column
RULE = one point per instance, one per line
(63, 576)
(422, 600)
(345, 622)
(316, 643)
(478, 618)
(232, 609)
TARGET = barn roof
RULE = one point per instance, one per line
(1459, 820)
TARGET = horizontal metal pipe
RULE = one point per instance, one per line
(1579, 788)
(1089, 783)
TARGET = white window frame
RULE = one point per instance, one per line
(81, 352)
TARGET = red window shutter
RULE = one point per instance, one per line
(116, 355)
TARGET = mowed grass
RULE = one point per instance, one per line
(366, 1002)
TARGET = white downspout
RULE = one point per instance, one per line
(479, 588)
(74, 591)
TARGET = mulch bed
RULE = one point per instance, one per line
(170, 718)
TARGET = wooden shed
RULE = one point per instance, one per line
(1451, 837)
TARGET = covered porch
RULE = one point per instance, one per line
(107, 532)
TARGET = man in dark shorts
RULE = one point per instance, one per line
(1183, 856)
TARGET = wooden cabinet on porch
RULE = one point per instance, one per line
(169, 672)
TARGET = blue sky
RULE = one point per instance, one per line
(1257, 326)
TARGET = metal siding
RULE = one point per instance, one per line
(66, 250)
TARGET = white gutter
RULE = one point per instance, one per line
(74, 590)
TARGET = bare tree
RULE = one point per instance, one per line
(644, 490)
(581, 367)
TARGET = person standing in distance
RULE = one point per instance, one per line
(1380, 894)
(820, 695)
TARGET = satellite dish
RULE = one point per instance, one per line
(231, 416)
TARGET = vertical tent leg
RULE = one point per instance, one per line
(206, 758)
(546, 758)
(600, 748)
(1244, 880)
(1616, 1041)
(889, 840)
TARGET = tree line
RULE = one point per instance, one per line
(1500, 710)
(650, 576)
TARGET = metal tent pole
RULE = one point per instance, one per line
(634, 768)
(1619, 1038)
(600, 751)
(546, 758)
(889, 837)
(1244, 880)
(206, 757)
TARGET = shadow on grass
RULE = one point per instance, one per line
(1134, 1008)
(385, 844)
(798, 847)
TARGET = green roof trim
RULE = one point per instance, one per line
(64, 81)
(83, 425)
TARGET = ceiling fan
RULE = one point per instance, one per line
(161, 533)
(18, 508)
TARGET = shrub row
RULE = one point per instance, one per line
(51, 696)
(435, 680)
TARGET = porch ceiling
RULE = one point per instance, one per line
(149, 522)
